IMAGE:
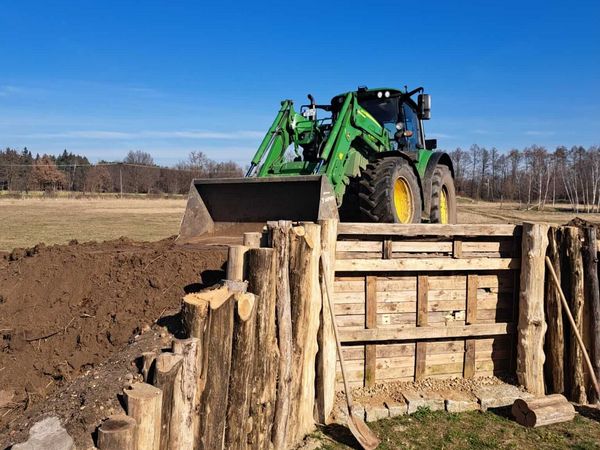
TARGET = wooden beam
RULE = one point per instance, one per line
(387, 249)
(425, 264)
(422, 300)
(472, 286)
(428, 229)
(413, 333)
(420, 360)
(457, 248)
(532, 323)
(370, 323)
(469, 364)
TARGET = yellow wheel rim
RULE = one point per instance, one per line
(444, 206)
(403, 202)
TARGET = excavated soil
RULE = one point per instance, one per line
(67, 308)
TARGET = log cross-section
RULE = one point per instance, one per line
(532, 324)
(370, 323)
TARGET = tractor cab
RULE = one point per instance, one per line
(399, 114)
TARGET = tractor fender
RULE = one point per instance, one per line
(411, 163)
(436, 159)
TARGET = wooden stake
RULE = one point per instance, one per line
(281, 244)
(592, 294)
(555, 339)
(326, 356)
(532, 326)
(252, 239)
(574, 327)
(305, 296)
(572, 240)
(144, 403)
(242, 373)
(184, 426)
(117, 433)
(261, 281)
(217, 350)
(235, 262)
(147, 362)
(167, 375)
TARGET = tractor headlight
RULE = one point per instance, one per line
(379, 94)
(387, 94)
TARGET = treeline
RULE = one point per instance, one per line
(534, 176)
(136, 173)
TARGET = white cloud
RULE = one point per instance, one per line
(539, 133)
(173, 134)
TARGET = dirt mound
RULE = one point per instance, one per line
(64, 309)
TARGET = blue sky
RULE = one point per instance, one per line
(105, 77)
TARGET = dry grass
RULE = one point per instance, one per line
(25, 222)
(485, 212)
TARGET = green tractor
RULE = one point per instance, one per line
(366, 160)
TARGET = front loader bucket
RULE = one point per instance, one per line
(218, 204)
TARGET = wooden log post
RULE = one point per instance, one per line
(147, 365)
(281, 244)
(305, 251)
(326, 356)
(144, 404)
(167, 375)
(592, 295)
(235, 262)
(117, 433)
(252, 239)
(555, 339)
(217, 351)
(575, 296)
(261, 282)
(531, 325)
(184, 426)
(241, 379)
(541, 411)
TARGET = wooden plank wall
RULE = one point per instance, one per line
(426, 301)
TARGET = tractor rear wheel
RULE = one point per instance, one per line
(389, 192)
(443, 196)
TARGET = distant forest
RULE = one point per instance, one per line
(137, 173)
(535, 177)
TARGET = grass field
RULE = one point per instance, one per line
(469, 431)
(28, 221)
(25, 222)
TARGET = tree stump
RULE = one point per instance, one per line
(117, 433)
(144, 403)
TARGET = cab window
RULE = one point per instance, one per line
(411, 123)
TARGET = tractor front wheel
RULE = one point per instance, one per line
(443, 196)
(389, 192)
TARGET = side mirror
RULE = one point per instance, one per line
(424, 103)
(430, 144)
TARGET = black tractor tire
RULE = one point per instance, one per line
(377, 192)
(442, 190)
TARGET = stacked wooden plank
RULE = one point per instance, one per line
(416, 301)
